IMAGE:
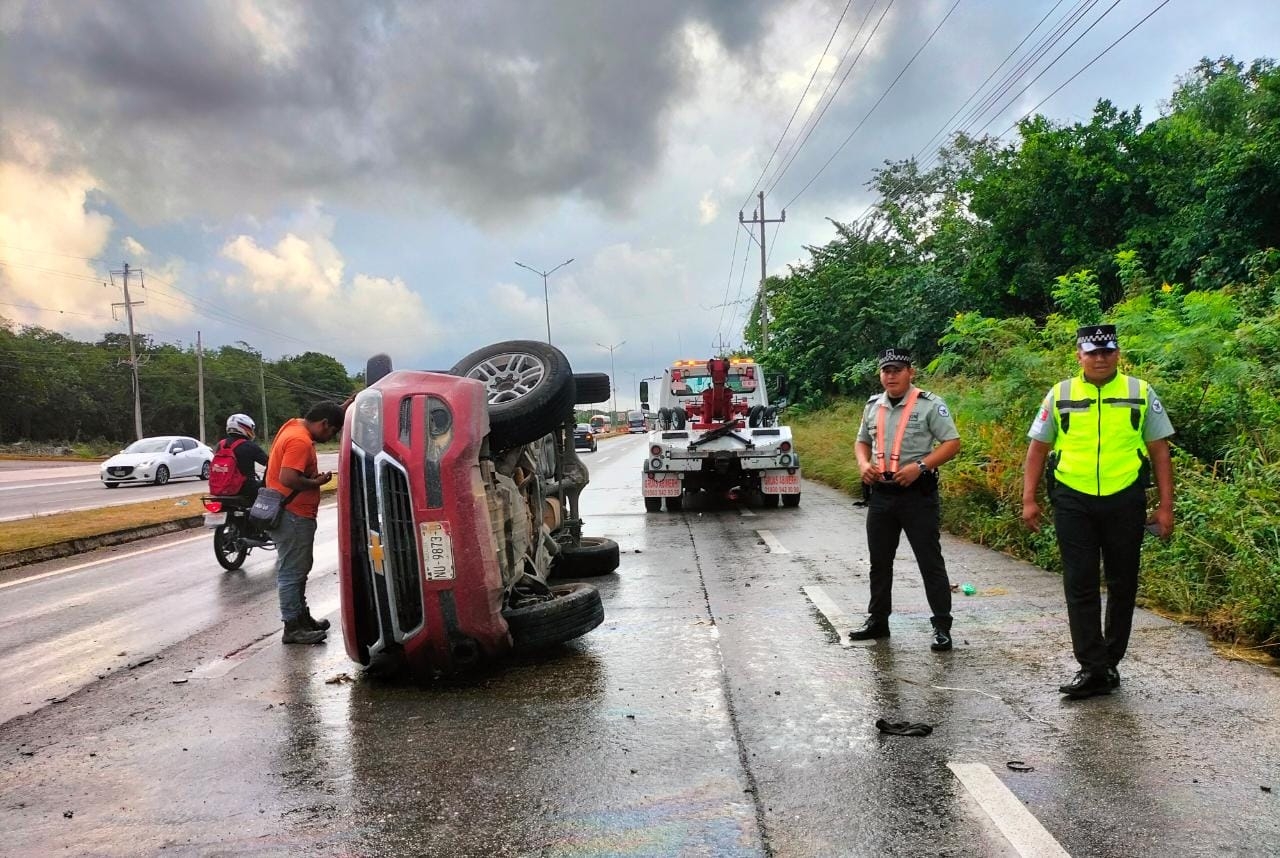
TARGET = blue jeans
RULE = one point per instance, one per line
(294, 539)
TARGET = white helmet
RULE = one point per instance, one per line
(241, 424)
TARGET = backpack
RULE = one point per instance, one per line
(224, 474)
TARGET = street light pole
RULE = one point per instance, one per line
(546, 297)
(613, 380)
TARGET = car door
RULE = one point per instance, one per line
(185, 461)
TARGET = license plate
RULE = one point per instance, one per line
(213, 519)
(662, 486)
(437, 551)
(781, 484)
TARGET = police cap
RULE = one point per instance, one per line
(1090, 338)
(898, 356)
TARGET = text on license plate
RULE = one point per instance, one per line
(437, 551)
(667, 487)
(782, 484)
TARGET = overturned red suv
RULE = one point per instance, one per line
(459, 501)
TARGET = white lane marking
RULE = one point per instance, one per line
(828, 608)
(775, 547)
(746, 513)
(25, 486)
(1023, 831)
(112, 559)
(222, 666)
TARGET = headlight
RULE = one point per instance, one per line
(366, 425)
(143, 465)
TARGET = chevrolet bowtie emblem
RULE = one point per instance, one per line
(375, 551)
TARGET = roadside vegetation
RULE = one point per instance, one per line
(985, 263)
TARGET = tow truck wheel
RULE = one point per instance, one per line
(594, 555)
(653, 504)
(768, 500)
(573, 610)
(529, 386)
(675, 504)
(791, 500)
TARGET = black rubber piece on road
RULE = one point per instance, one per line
(653, 504)
(594, 556)
(575, 610)
(592, 387)
(517, 415)
(228, 547)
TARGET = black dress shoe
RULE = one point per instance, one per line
(1086, 684)
(941, 640)
(872, 629)
(1113, 677)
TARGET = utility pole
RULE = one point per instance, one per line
(546, 297)
(133, 352)
(262, 382)
(613, 379)
(758, 217)
(200, 381)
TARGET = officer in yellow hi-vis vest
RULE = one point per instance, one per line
(899, 462)
(1105, 434)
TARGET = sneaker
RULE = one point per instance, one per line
(297, 632)
(320, 625)
(872, 629)
(1086, 684)
(941, 640)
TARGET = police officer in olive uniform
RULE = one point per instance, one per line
(899, 463)
(1104, 434)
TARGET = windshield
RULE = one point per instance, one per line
(694, 385)
(635, 415)
(148, 445)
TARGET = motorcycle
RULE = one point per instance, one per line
(234, 535)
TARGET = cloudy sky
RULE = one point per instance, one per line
(355, 177)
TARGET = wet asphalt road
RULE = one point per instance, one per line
(32, 488)
(714, 713)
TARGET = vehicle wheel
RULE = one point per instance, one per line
(652, 504)
(755, 415)
(791, 500)
(594, 556)
(575, 610)
(591, 387)
(204, 471)
(228, 547)
(162, 476)
(675, 504)
(768, 500)
(375, 368)
(529, 386)
(678, 417)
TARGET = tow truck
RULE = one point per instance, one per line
(717, 432)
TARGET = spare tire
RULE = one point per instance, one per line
(591, 387)
(574, 610)
(754, 415)
(529, 386)
(594, 555)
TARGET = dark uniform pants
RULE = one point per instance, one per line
(1092, 529)
(890, 513)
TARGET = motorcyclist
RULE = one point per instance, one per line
(240, 427)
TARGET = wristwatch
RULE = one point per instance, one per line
(924, 469)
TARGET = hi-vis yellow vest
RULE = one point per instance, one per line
(1099, 443)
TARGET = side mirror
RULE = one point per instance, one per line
(778, 386)
(644, 396)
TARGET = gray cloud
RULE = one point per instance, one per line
(182, 107)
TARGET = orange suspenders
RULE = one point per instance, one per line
(897, 436)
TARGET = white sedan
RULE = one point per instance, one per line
(158, 460)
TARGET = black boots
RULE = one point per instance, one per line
(312, 623)
(941, 640)
(872, 629)
(298, 632)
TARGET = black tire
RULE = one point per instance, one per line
(530, 389)
(653, 504)
(791, 501)
(675, 504)
(591, 387)
(204, 471)
(594, 556)
(228, 547)
(162, 476)
(754, 415)
(111, 485)
(678, 417)
(664, 418)
(375, 368)
(768, 500)
(575, 610)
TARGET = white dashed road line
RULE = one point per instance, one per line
(112, 559)
(775, 547)
(829, 609)
(1023, 831)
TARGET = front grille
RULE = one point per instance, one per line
(361, 571)
(120, 472)
(400, 545)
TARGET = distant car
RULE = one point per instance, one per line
(584, 437)
(158, 460)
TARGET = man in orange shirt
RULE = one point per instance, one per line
(294, 471)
